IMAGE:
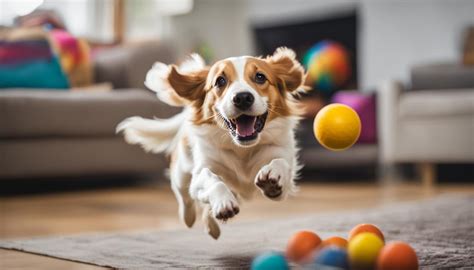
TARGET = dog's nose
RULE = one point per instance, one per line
(243, 100)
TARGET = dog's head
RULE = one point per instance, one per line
(241, 94)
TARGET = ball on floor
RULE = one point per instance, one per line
(270, 260)
(363, 250)
(397, 255)
(301, 245)
(335, 241)
(366, 228)
(333, 258)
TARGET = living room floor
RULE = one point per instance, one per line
(153, 207)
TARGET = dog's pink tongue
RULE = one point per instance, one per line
(245, 125)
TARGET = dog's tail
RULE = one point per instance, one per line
(157, 79)
(154, 135)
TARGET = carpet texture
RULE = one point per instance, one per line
(441, 230)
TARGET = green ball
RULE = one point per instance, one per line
(270, 260)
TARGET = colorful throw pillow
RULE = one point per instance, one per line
(74, 55)
(30, 63)
(33, 74)
(43, 58)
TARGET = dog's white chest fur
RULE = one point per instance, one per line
(213, 148)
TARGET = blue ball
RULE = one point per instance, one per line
(270, 261)
(333, 257)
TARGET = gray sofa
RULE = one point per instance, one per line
(429, 122)
(72, 133)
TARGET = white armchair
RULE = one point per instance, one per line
(425, 127)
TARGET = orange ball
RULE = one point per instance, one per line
(301, 245)
(397, 255)
(335, 241)
(366, 228)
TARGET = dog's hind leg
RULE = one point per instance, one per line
(187, 209)
(211, 226)
(180, 181)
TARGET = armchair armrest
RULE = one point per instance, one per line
(388, 94)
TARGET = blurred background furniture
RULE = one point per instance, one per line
(72, 133)
(429, 122)
(362, 158)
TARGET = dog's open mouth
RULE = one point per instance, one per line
(246, 127)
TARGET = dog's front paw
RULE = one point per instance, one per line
(224, 205)
(272, 179)
(268, 182)
(225, 209)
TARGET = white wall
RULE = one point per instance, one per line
(222, 24)
(399, 34)
(394, 34)
(226, 24)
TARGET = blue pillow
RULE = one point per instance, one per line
(40, 73)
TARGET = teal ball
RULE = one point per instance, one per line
(335, 258)
(270, 260)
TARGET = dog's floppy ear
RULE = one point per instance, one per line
(178, 85)
(287, 69)
(189, 85)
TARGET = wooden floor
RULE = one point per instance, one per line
(154, 207)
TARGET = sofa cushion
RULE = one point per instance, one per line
(126, 66)
(442, 76)
(436, 103)
(36, 113)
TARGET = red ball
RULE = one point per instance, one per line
(301, 245)
(366, 228)
(397, 255)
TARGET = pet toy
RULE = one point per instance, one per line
(337, 127)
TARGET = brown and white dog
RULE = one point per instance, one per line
(235, 135)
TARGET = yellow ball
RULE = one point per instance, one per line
(337, 127)
(363, 250)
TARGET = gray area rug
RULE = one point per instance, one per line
(441, 230)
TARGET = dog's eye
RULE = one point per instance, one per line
(221, 82)
(260, 78)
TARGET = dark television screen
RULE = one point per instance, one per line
(303, 35)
